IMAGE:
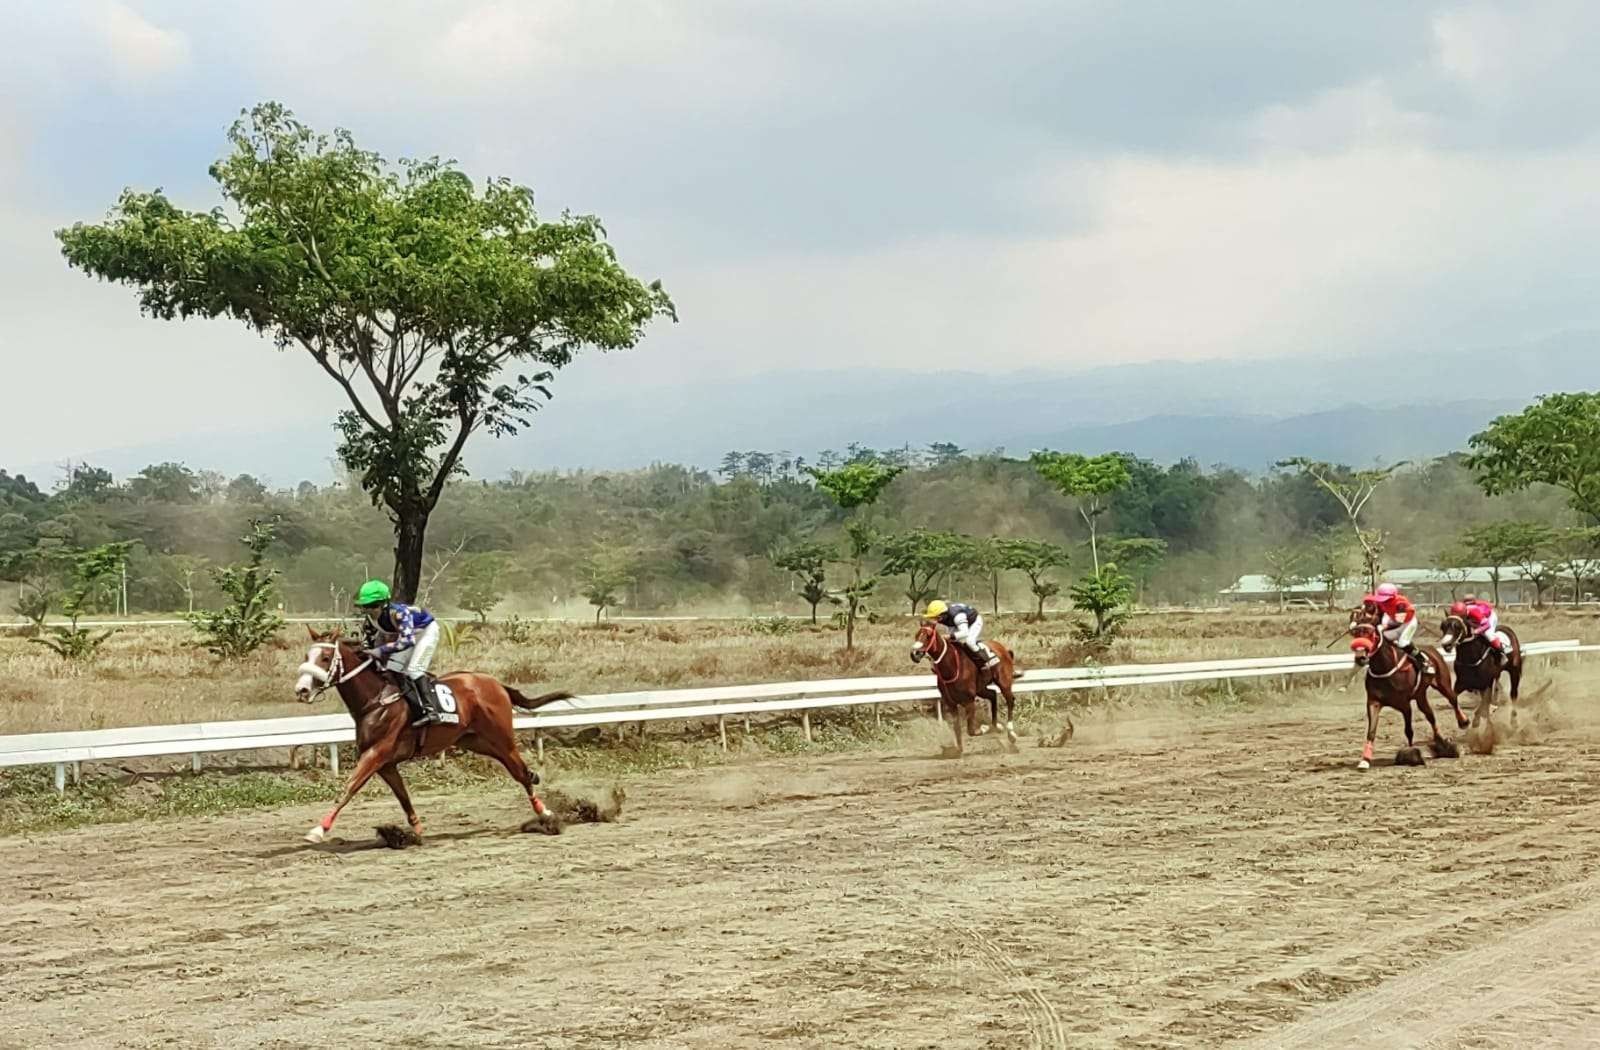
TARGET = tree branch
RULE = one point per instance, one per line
(321, 358)
(447, 462)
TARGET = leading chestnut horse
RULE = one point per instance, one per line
(385, 736)
(1394, 681)
(961, 681)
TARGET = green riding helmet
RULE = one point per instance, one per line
(373, 592)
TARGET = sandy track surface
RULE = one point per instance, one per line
(1157, 884)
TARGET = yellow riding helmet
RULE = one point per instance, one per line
(935, 609)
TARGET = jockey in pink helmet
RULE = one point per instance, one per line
(1482, 620)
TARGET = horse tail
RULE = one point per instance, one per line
(532, 703)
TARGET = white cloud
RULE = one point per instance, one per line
(1363, 114)
(139, 51)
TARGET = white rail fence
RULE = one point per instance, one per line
(68, 751)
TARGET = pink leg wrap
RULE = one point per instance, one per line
(1366, 752)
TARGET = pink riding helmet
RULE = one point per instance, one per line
(1387, 592)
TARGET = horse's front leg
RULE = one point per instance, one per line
(372, 760)
(1373, 707)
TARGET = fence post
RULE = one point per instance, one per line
(722, 731)
(538, 744)
(805, 723)
(938, 709)
(194, 761)
(333, 758)
(77, 772)
(61, 778)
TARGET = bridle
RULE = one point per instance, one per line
(944, 650)
(1466, 636)
(1380, 643)
(334, 674)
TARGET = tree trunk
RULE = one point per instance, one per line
(598, 609)
(1494, 579)
(813, 614)
(1040, 617)
(994, 584)
(850, 627)
(410, 530)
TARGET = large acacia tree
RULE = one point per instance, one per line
(441, 309)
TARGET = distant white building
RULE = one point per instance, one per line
(1429, 586)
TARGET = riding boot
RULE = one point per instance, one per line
(1423, 667)
(417, 701)
(986, 657)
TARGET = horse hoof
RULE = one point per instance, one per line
(315, 835)
(1363, 764)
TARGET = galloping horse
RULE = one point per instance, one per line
(960, 680)
(1369, 615)
(1479, 665)
(1393, 680)
(385, 737)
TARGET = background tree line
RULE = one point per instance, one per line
(763, 535)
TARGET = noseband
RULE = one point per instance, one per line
(331, 678)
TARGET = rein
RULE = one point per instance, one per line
(1400, 662)
(332, 678)
(1466, 636)
(937, 660)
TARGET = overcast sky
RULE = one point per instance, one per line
(995, 185)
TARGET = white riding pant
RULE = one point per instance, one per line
(968, 636)
(1400, 633)
(413, 662)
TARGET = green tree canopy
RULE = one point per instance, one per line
(439, 308)
(1035, 558)
(1503, 543)
(1089, 479)
(1556, 440)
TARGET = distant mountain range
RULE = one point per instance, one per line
(1243, 413)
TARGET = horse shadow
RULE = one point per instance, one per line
(346, 847)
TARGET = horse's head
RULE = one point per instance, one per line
(1453, 630)
(1364, 642)
(927, 634)
(1365, 613)
(324, 663)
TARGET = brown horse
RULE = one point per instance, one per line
(1393, 680)
(962, 681)
(1479, 665)
(385, 737)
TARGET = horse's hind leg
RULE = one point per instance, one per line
(1441, 747)
(1004, 686)
(391, 776)
(502, 747)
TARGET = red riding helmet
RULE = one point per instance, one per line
(1458, 609)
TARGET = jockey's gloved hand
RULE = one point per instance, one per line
(372, 654)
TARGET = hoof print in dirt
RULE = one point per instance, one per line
(1443, 748)
(549, 824)
(396, 837)
(1408, 756)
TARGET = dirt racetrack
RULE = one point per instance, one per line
(1157, 883)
